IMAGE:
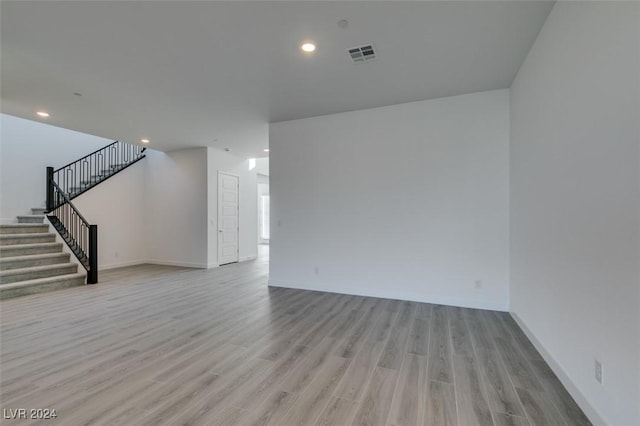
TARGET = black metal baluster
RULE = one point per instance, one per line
(81, 175)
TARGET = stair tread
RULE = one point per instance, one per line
(23, 225)
(33, 257)
(28, 269)
(39, 281)
(31, 215)
(18, 246)
(7, 240)
(29, 235)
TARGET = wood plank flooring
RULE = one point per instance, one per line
(156, 345)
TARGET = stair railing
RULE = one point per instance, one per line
(74, 179)
(81, 175)
(75, 230)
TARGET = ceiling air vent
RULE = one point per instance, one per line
(362, 53)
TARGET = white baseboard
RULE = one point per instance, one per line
(593, 414)
(170, 263)
(391, 294)
(240, 259)
(166, 263)
(121, 265)
(101, 267)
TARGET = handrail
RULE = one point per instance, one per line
(74, 179)
(87, 156)
(68, 201)
(75, 230)
(83, 174)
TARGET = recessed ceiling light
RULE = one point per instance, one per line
(308, 47)
(266, 150)
(43, 113)
(144, 140)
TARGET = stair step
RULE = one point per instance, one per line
(24, 228)
(33, 218)
(17, 262)
(35, 272)
(18, 239)
(37, 211)
(41, 285)
(29, 249)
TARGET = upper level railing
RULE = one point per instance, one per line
(81, 175)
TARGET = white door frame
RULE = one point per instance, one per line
(220, 224)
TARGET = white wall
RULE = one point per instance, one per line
(262, 166)
(117, 207)
(28, 147)
(156, 211)
(575, 207)
(408, 201)
(218, 160)
(176, 208)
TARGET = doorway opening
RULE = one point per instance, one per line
(228, 218)
(264, 200)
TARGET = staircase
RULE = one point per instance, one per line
(31, 261)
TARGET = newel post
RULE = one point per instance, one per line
(49, 199)
(92, 277)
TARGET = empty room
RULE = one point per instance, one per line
(320, 213)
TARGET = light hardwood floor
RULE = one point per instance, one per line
(155, 345)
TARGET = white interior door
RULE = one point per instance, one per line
(228, 224)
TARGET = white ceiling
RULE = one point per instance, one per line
(215, 74)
